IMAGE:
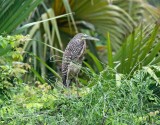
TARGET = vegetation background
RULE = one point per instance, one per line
(120, 77)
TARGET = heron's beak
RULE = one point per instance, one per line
(90, 38)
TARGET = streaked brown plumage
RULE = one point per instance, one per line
(73, 57)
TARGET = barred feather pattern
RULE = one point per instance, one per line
(73, 54)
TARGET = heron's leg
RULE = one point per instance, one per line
(77, 82)
(68, 88)
(67, 82)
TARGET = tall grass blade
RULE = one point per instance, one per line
(68, 9)
(130, 53)
(149, 43)
(96, 61)
(38, 22)
(55, 26)
(109, 50)
(37, 75)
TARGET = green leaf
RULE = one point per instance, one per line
(140, 49)
(109, 49)
(149, 43)
(96, 61)
(38, 75)
(152, 74)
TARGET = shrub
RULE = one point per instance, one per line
(11, 66)
(131, 102)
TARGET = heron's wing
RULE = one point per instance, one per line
(76, 49)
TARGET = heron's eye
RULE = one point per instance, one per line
(83, 37)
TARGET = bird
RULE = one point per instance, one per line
(73, 57)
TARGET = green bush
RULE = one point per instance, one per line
(130, 102)
(11, 66)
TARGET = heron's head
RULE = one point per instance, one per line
(83, 36)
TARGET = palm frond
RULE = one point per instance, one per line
(13, 13)
(141, 48)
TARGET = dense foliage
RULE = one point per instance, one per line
(130, 102)
(11, 66)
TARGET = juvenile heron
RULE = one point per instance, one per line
(73, 57)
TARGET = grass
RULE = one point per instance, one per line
(130, 103)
